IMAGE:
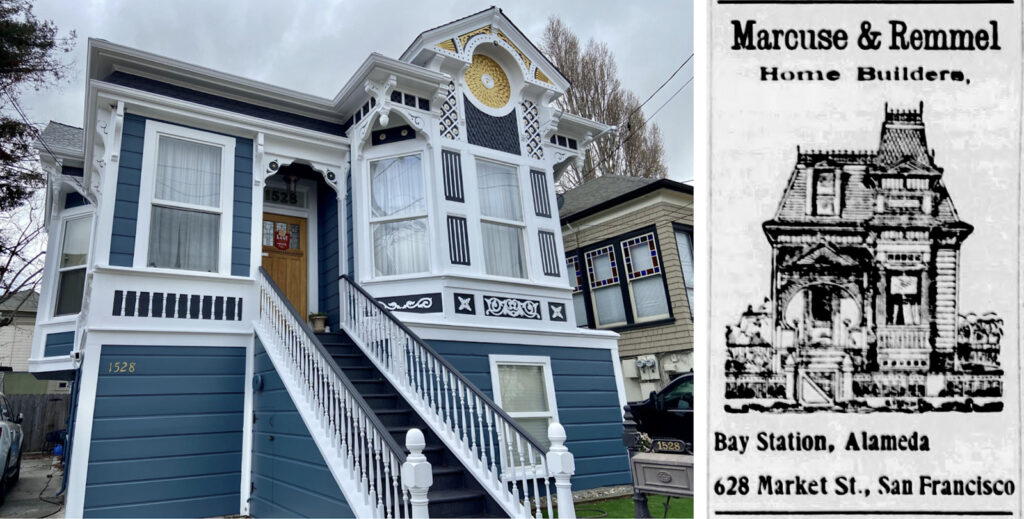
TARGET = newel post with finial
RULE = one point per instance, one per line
(416, 473)
(561, 466)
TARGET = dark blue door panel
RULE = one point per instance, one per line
(167, 432)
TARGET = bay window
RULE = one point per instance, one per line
(74, 249)
(501, 219)
(904, 300)
(524, 388)
(398, 216)
(621, 282)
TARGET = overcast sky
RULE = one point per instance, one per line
(315, 47)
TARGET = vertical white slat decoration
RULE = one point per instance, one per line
(511, 465)
(354, 441)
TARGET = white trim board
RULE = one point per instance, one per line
(579, 338)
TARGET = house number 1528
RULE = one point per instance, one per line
(121, 367)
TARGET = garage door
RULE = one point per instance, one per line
(167, 432)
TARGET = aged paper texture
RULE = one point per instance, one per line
(864, 280)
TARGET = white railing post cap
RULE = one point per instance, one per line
(560, 460)
(416, 473)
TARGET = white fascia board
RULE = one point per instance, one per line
(106, 57)
(576, 126)
(428, 329)
(632, 205)
(378, 67)
(186, 112)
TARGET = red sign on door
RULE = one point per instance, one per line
(282, 239)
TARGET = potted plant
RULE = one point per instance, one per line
(319, 321)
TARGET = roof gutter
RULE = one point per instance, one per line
(641, 191)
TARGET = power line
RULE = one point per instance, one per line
(687, 60)
(632, 132)
(21, 113)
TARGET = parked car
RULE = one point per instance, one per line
(667, 414)
(11, 437)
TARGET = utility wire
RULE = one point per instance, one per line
(24, 118)
(687, 60)
(632, 132)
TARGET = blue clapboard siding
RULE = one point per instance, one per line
(241, 228)
(588, 403)
(126, 202)
(328, 253)
(349, 247)
(166, 438)
(289, 475)
(58, 344)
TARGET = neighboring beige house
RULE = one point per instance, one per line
(16, 345)
(629, 255)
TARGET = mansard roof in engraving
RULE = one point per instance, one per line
(902, 152)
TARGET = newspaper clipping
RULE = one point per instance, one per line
(864, 281)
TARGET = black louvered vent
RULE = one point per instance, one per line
(541, 202)
(548, 253)
(451, 162)
(458, 240)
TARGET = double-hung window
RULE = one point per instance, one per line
(605, 288)
(622, 281)
(644, 274)
(579, 301)
(398, 216)
(684, 244)
(74, 249)
(524, 389)
(187, 182)
(501, 219)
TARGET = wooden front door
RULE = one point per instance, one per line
(284, 256)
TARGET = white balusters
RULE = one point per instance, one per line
(361, 444)
(490, 443)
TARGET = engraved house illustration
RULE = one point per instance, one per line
(200, 219)
(863, 312)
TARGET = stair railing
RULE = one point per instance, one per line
(509, 462)
(369, 452)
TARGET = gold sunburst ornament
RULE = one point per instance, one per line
(488, 82)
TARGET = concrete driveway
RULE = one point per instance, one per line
(23, 500)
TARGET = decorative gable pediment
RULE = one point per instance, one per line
(822, 256)
(461, 38)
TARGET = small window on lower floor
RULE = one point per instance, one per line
(523, 387)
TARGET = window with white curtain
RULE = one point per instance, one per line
(398, 216)
(684, 243)
(74, 249)
(501, 219)
(186, 206)
(644, 274)
(524, 388)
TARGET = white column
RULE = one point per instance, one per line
(561, 466)
(416, 473)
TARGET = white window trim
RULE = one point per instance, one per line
(67, 215)
(524, 360)
(147, 189)
(688, 284)
(524, 241)
(374, 220)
